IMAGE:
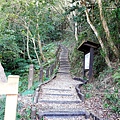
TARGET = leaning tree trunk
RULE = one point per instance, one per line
(36, 51)
(28, 39)
(40, 48)
(98, 37)
(38, 35)
(108, 36)
(3, 77)
(75, 27)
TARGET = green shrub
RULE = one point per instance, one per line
(112, 97)
(113, 101)
(2, 107)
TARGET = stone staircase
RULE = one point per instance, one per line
(58, 99)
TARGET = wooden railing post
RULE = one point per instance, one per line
(47, 72)
(41, 74)
(51, 69)
(11, 90)
(31, 76)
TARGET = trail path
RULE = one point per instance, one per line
(58, 99)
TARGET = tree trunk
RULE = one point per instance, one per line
(75, 27)
(38, 35)
(28, 53)
(98, 37)
(40, 48)
(36, 51)
(3, 77)
(104, 23)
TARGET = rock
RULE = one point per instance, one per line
(3, 77)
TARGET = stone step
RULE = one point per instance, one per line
(64, 71)
(57, 107)
(59, 102)
(64, 118)
(56, 89)
(63, 64)
(59, 95)
(66, 85)
(64, 114)
(61, 68)
(58, 99)
(63, 58)
(52, 97)
(67, 63)
(68, 66)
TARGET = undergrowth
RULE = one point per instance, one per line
(2, 107)
(107, 85)
(22, 69)
(112, 98)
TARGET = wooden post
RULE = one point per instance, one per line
(41, 74)
(51, 69)
(57, 58)
(31, 76)
(47, 72)
(55, 64)
(91, 63)
(58, 54)
(84, 66)
(33, 113)
(11, 89)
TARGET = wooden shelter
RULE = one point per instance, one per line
(88, 47)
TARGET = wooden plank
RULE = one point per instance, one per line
(31, 76)
(8, 88)
(10, 109)
(81, 44)
(11, 100)
(90, 45)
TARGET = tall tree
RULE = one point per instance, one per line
(83, 3)
(107, 31)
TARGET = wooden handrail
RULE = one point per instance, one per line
(11, 90)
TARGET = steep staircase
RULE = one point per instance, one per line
(58, 99)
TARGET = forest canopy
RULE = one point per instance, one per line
(27, 25)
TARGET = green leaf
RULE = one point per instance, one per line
(106, 105)
(116, 75)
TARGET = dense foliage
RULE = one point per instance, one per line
(90, 20)
(31, 29)
(101, 22)
(26, 26)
